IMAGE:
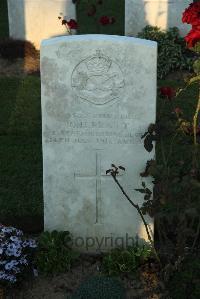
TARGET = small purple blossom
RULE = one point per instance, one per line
(23, 260)
(32, 243)
(25, 243)
(7, 229)
(15, 253)
(11, 264)
(15, 239)
(13, 249)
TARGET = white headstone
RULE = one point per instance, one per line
(34, 20)
(161, 13)
(98, 98)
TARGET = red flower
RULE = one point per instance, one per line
(192, 14)
(105, 20)
(72, 24)
(91, 11)
(193, 36)
(167, 92)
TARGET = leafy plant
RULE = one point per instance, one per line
(125, 260)
(185, 281)
(113, 172)
(172, 53)
(100, 287)
(54, 253)
(16, 255)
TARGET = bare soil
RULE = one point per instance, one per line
(145, 284)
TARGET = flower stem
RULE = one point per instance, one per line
(148, 231)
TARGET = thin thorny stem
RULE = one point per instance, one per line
(140, 213)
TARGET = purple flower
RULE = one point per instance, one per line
(23, 260)
(32, 243)
(29, 243)
(19, 232)
(7, 229)
(13, 249)
(25, 243)
(2, 275)
(11, 264)
(15, 239)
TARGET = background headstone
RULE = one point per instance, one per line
(34, 20)
(160, 13)
(98, 98)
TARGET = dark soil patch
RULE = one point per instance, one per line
(145, 285)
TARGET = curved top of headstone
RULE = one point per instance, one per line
(98, 37)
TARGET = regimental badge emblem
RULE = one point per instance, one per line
(98, 79)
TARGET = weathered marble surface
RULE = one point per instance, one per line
(98, 98)
(160, 13)
(35, 20)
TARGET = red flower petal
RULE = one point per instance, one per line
(72, 24)
(193, 37)
(104, 20)
(167, 92)
(191, 15)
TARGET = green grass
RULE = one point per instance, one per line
(4, 31)
(20, 148)
(90, 24)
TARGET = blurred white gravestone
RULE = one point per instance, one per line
(161, 13)
(98, 98)
(34, 20)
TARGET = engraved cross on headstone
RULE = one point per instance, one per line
(98, 178)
